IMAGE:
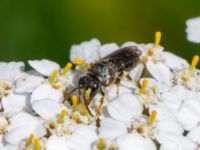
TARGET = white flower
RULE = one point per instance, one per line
(87, 51)
(46, 91)
(125, 107)
(83, 136)
(44, 66)
(159, 71)
(176, 142)
(47, 108)
(15, 102)
(21, 125)
(173, 61)
(8, 71)
(193, 29)
(55, 142)
(26, 83)
(189, 113)
(134, 141)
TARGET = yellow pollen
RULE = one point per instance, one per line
(37, 145)
(67, 68)
(83, 107)
(53, 77)
(153, 88)
(74, 100)
(76, 118)
(157, 38)
(78, 61)
(62, 116)
(152, 118)
(30, 139)
(143, 86)
(101, 144)
(151, 52)
(195, 61)
(184, 76)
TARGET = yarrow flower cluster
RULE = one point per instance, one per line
(157, 109)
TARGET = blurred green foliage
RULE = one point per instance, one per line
(35, 29)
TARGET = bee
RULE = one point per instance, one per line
(107, 71)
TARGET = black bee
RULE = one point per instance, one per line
(106, 71)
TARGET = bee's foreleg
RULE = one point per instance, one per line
(100, 108)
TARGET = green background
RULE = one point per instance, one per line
(35, 29)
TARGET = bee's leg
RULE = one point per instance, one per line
(100, 108)
(117, 82)
(128, 77)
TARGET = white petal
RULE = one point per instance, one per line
(163, 112)
(84, 136)
(161, 87)
(181, 141)
(15, 102)
(126, 44)
(20, 119)
(86, 51)
(174, 62)
(136, 73)
(47, 108)
(189, 114)
(134, 141)
(10, 70)
(159, 71)
(26, 83)
(172, 100)
(17, 134)
(108, 49)
(125, 86)
(46, 91)
(111, 128)
(55, 142)
(125, 107)
(193, 29)
(172, 127)
(44, 66)
(194, 134)
(170, 145)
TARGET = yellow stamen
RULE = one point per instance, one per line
(78, 61)
(85, 111)
(195, 61)
(143, 86)
(157, 38)
(151, 52)
(37, 145)
(62, 116)
(30, 139)
(67, 68)
(74, 100)
(152, 118)
(101, 144)
(53, 77)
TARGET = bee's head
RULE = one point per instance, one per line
(88, 87)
